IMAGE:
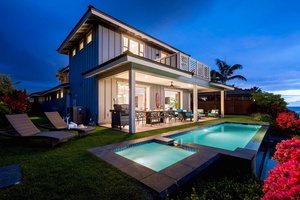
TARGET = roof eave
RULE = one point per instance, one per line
(224, 87)
(83, 19)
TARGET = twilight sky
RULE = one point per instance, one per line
(262, 35)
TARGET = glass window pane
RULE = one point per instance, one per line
(89, 38)
(134, 48)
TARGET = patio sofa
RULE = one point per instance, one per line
(184, 114)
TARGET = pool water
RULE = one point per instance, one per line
(227, 136)
(154, 155)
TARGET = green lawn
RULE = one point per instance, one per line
(69, 171)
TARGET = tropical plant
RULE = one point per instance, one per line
(173, 103)
(225, 72)
(62, 75)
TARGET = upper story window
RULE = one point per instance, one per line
(74, 52)
(133, 46)
(81, 45)
(163, 54)
(89, 38)
(61, 94)
(57, 95)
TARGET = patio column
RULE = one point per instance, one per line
(195, 102)
(222, 103)
(132, 101)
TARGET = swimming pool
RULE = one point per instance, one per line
(227, 136)
(154, 155)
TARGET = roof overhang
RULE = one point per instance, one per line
(93, 16)
(221, 86)
(56, 88)
(128, 61)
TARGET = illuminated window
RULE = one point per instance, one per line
(133, 46)
(57, 95)
(62, 94)
(163, 54)
(81, 45)
(49, 98)
(89, 38)
(125, 44)
(141, 50)
(74, 52)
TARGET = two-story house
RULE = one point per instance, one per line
(111, 62)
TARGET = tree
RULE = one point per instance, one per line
(226, 72)
(62, 75)
(6, 85)
(268, 103)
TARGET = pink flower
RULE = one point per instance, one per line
(283, 181)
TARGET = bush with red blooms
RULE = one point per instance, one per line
(287, 150)
(283, 181)
(288, 121)
(17, 101)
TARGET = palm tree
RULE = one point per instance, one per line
(225, 72)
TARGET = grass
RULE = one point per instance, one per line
(69, 171)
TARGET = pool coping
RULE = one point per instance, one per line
(168, 179)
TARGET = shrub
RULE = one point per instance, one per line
(230, 187)
(3, 111)
(283, 181)
(287, 121)
(17, 102)
(287, 150)
(268, 103)
(260, 117)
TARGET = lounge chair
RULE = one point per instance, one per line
(58, 124)
(213, 113)
(27, 130)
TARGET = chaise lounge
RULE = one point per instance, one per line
(58, 124)
(27, 130)
(213, 113)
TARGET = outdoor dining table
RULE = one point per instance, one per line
(148, 115)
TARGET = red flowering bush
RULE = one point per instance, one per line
(17, 101)
(288, 121)
(283, 181)
(287, 150)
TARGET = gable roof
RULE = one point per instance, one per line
(93, 16)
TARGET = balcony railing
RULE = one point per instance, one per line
(186, 63)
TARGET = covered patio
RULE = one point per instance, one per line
(147, 127)
(146, 85)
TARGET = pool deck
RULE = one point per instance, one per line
(167, 180)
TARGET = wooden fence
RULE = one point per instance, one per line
(237, 107)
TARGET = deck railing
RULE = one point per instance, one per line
(186, 63)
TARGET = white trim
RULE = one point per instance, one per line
(222, 86)
(129, 58)
(158, 67)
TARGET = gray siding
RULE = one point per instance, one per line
(110, 44)
(84, 90)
